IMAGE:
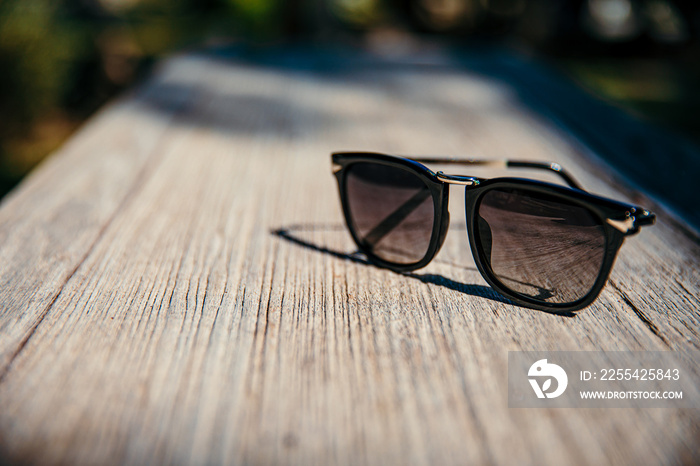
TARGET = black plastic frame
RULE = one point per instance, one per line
(438, 190)
(617, 218)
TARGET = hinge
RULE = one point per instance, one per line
(623, 225)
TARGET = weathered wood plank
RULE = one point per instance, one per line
(47, 232)
(178, 287)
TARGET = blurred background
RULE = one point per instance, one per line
(62, 59)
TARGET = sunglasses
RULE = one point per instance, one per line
(541, 245)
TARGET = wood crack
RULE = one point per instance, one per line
(643, 317)
(151, 161)
(5, 370)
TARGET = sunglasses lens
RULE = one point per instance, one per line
(391, 211)
(540, 246)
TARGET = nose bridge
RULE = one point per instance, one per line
(457, 179)
(458, 210)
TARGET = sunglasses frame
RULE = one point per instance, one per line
(618, 219)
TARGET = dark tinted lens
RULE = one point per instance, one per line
(391, 211)
(539, 245)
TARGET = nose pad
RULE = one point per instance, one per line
(444, 226)
(485, 238)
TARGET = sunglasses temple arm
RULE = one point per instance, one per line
(642, 217)
(395, 218)
(550, 166)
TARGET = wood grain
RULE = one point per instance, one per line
(178, 286)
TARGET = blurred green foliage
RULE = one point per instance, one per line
(260, 16)
(62, 59)
(36, 55)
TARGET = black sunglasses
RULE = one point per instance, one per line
(541, 245)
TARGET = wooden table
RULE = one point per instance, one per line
(178, 286)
